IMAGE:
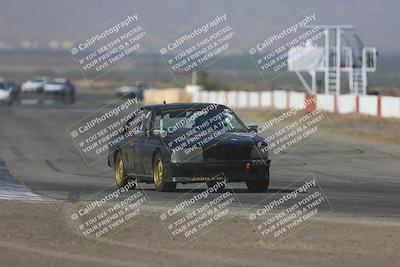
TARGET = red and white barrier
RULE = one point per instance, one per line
(296, 99)
(221, 97)
(266, 99)
(381, 106)
(280, 99)
(242, 99)
(231, 99)
(326, 102)
(368, 105)
(213, 97)
(204, 97)
(390, 106)
(346, 104)
(254, 99)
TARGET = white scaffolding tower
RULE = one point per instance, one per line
(332, 59)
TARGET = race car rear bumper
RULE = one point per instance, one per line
(233, 171)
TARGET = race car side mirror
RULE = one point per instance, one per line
(252, 128)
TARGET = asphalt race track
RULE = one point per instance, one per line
(359, 178)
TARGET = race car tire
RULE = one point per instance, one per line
(121, 178)
(159, 174)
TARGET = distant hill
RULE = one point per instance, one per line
(20, 65)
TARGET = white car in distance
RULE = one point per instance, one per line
(36, 85)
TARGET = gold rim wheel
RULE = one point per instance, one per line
(119, 172)
(158, 173)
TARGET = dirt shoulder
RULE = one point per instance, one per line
(38, 234)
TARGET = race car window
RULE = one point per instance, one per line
(158, 124)
(164, 120)
(191, 118)
(135, 123)
(146, 122)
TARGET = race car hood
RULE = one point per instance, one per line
(179, 137)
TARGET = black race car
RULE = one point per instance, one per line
(189, 142)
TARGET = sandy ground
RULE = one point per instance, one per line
(40, 234)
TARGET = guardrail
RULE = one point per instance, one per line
(380, 106)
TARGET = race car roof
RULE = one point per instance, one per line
(179, 105)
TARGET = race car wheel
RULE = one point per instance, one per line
(120, 176)
(258, 186)
(159, 176)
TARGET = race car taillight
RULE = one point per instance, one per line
(247, 167)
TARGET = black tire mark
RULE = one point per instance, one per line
(52, 166)
(19, 154)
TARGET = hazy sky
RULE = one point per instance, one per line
(376, 22)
